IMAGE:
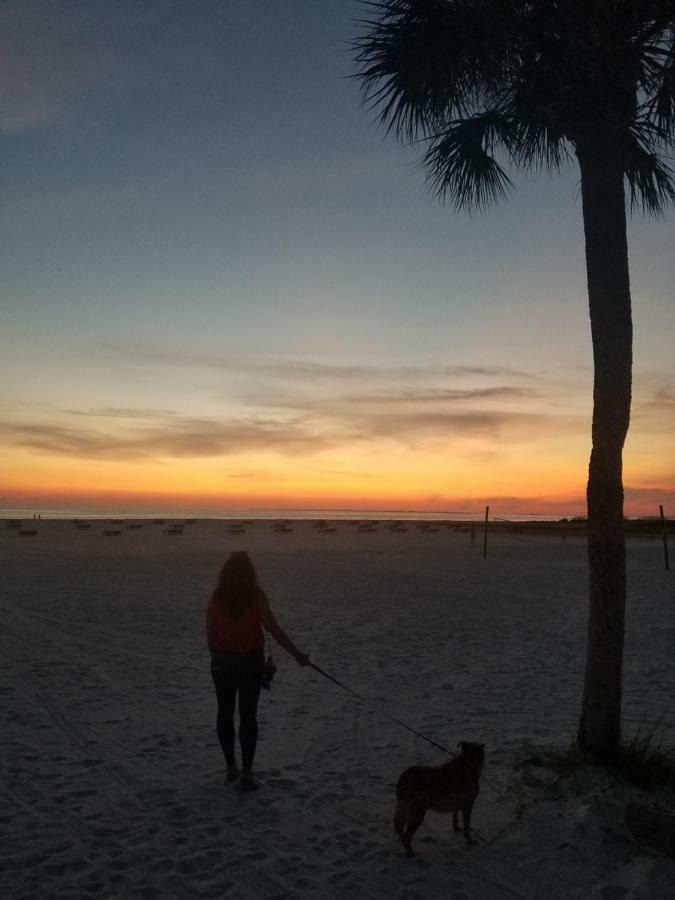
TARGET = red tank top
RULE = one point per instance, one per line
(225, 633)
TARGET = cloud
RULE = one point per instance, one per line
(654, 388)
(310, 371)
(333, 390)
(298, 407)
(440, 395)
(323, 402)
(178, 437)
(56, 55)
(305, 371)
(295, 407)
(654, 406)
(314, 401)
(48, 62)
(413, 415)
(111, 412)
(155, 436)
(664, 397)
(349, 473)
(654, 495)
(416, 428)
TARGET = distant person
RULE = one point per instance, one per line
(236, 614)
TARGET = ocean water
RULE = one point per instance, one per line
(475, 515)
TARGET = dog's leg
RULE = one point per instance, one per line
(400, 819)
(466, 816)
(415, 819)
(455, 822)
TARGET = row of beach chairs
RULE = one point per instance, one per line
(18, 527)
(176, 529)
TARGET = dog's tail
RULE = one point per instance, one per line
(400, 817)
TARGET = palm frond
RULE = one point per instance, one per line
(539, 148)
(424, 60)
(654, 38)
(651, 181)
(538, 144)
(652, 60)
(649, 19)
(537, 101)
(460, 161)
(528, 80)
(662, 107)
(649, 133)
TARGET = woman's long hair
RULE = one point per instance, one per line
(237, 588)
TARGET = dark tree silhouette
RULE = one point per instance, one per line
(534, 84)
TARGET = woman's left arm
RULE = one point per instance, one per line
(269, 621)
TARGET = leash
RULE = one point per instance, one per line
(394, 719)
(380, 710)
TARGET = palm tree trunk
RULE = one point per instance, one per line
(603, 199)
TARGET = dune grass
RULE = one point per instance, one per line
(646, 759)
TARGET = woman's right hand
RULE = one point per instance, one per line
(302, 659)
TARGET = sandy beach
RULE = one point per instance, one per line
(112, 777)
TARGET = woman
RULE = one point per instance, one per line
(237, 611)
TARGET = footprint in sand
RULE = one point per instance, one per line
(179, 812)
(82, 793)
(613, 892)
(282, 782)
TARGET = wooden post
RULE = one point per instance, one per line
(485, 531)
(665, 537)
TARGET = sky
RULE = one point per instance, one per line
(222, 285)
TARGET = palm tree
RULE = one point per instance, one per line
(535, 83)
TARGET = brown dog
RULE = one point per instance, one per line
(448, 788)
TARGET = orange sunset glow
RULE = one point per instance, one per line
(535, 467)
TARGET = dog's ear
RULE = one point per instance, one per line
(461, 745)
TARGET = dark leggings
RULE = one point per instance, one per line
(237, 673)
